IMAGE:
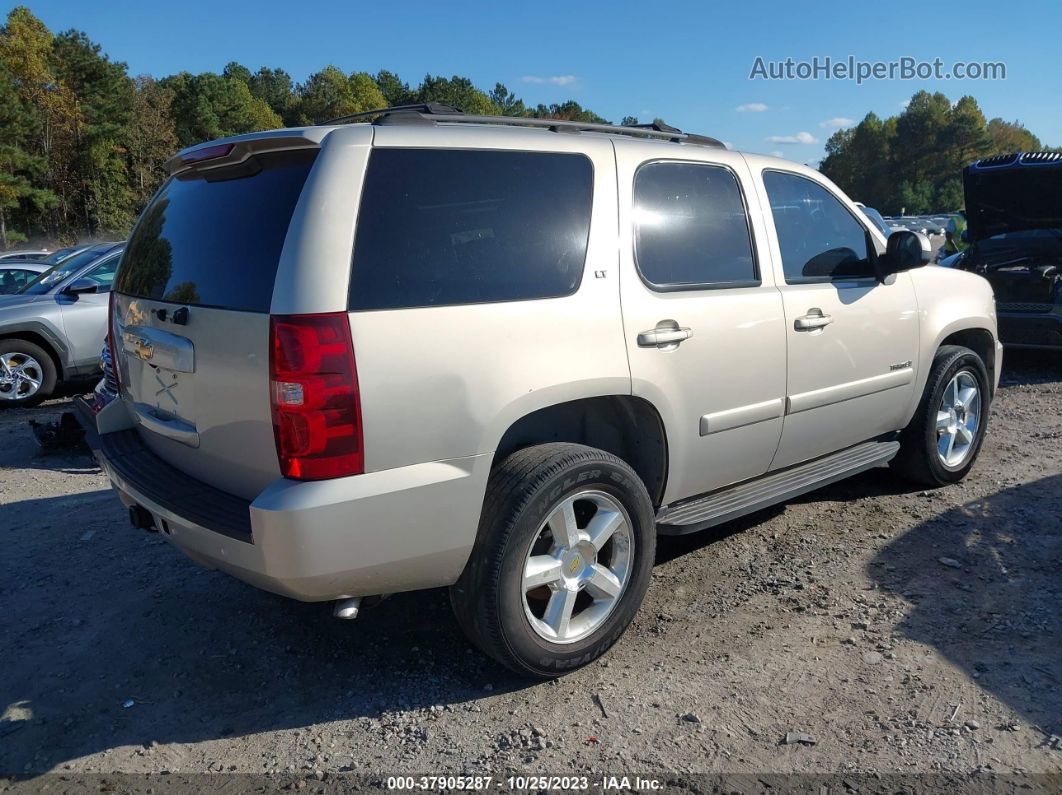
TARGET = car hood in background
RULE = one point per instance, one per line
(1013, 193)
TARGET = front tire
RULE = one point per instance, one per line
(27, 374)
(943, 439)
(566, 545)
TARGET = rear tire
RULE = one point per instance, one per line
(943, 439)
(566, 545)
(27, 373)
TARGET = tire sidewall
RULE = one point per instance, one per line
(541, 657)
(47, 370)
(970, 362)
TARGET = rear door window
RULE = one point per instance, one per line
(213, 237)
(690, 227)
(441, 227)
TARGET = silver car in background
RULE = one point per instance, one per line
(52, 329)
(23, 255)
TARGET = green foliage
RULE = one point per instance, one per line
(1012, 137)
(151, 138)
(506, 102)
(41, 140)
(457, 92)
(395, 92)
(916, 198)
(364, 92)
(276, 89)
(570, 111)
(949, 196)
(21, 173)
(102, 197)
(329, 94)
(913, 162)
(237, 71)
(83, 145)
(208, 105)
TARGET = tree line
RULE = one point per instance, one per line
(83, 143)
(913, 162)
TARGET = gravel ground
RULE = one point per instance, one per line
(882, 629)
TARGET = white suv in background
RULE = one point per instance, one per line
(502, 355)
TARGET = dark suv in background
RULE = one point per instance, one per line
(1014, 212)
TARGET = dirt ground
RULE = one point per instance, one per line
(884, 629)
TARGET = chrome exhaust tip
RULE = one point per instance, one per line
(347, 608)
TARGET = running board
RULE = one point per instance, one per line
(772, 488)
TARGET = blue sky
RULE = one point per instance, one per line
(687, 62)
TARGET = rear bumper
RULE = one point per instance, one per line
(1031, 329)
(382, 532)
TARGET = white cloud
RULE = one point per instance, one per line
(751, 107)
(799, 138)
(557, 80)
(836, 123)
(905, 103)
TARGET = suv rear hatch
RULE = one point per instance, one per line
(1014, 210)
(191, 323)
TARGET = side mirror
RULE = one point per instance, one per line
(904, 250)
(83, 285)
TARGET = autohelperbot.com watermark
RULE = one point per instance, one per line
(906, 67)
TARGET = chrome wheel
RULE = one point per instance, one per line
(958, 419)
(577, 566)
(21, 376)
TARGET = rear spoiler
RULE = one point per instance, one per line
(237, 148)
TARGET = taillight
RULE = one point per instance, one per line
(314, 394)
(112, 342)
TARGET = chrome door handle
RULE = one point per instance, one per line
(663, 337)
(812, 320)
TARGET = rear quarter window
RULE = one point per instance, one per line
(213, 237)
(441, 227)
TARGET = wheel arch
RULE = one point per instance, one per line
(980, 341)
(40, 337)
(628, 427)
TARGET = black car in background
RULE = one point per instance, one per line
(1014, 228)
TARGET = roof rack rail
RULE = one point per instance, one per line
(431, 112)
(420, 107)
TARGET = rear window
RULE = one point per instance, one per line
(441, 227)
(213, 238)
